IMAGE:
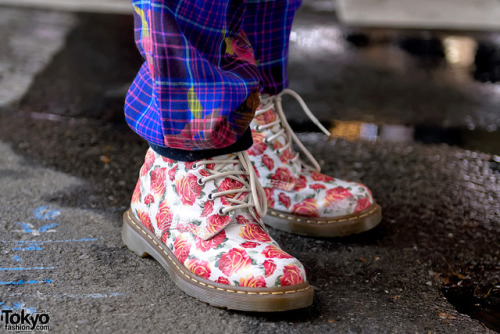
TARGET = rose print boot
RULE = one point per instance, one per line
(201, 221)
(300, 199)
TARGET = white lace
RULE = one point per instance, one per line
(255, 201)
(284, 130)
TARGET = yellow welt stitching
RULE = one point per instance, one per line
(204, 284)
(322, 222)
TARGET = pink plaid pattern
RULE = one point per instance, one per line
(197, 88)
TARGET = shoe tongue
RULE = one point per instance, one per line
(284, 175)
(266, 117)
(215, 223)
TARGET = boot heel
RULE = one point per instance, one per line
(132, 239)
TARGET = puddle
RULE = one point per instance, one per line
(476, 293)
(477, 139)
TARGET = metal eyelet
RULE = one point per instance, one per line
(200, 181)
(257, 128)
(266, 141)
(290, 162)
(278, 152)
(210, 197)
(221, 212)
(194, 166)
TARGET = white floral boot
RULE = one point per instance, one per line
(201, 221)
(300, 199)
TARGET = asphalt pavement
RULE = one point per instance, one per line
(69, 163)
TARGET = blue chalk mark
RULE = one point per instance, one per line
(35, 245)
(25, 226)
(45, 228)
(17, 258)
(113, 294)
(30, 228)
(95, 295)
(31, 247)
(45, 212)
(28, 268)
(17, 306)
(21, 282)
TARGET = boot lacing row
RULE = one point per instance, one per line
(284, 130)
(255, 199)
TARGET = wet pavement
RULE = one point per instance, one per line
(414, 115)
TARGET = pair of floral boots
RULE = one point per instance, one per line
(204, 221)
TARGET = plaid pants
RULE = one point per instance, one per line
(205, 63)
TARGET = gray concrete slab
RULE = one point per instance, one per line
(94, 6)
(460, 15)
(30, 41)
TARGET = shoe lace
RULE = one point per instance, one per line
(285, 131)
(255, 199)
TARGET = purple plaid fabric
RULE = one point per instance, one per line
(197, 88)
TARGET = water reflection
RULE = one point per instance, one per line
(482, 140)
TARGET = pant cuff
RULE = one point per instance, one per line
(244, 143)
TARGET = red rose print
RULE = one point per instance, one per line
(308, 208)
(145, 220)
(223, 280)
(291, 276)
(301, 183)
(268, 162)
(285, 200)
(208, 208)
(149, 199)
(321, 177)
(204, 172)
(205, 245)
(189, 165)
(136, 196)
(167, 160)
(158, 181)
(233, 261)
(269, 197)
(283, 179)
(337, 194)
(171, 173)
(193, 229)
(199, 267)
(317, 186)
(249, 244)
(362, 204)
(285, 155)
(148, 162)
(164, 216)
(265, 118)
(253, 282)
(242, 220)
(188, 189)
(256, 170)
(269, 267)
(272, 252)
(165, 237)
(258, 146)
(216, 222)
(181, 248)
(254, 232)
(229, 184)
